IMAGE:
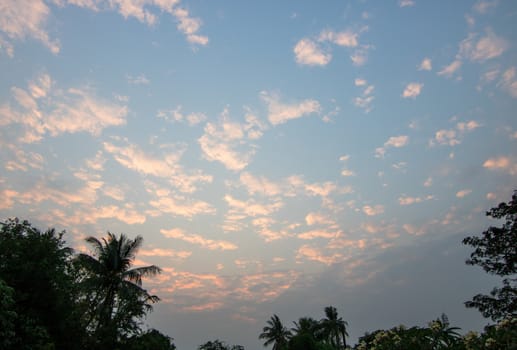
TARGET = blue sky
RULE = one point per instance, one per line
(277, 157)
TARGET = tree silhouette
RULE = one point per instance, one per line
(275, 333)
(496, 253)
(116, 296)
(334, 328)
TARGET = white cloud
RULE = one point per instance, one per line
(502, 163)
(487, 47)
(189, 26)
(365, 100)
(372, 211)
(463, 193)
(393, 141)
(309, 53)
(360, 56)
(280, 113)
(484, 6)
(346, 39)
(198, 240)
(315, 254)
(406, 3)
(509, 82)
(360, 82)
(425, 64)
(450, 69)
(176, 115)
(318, 219)
(412, 90)
(259, 185)
(452, 137)
(140, 10)
(221, 140)
(25, 19)
(407, 200)
(138, 80)
(180, 206)
(165, 166)
(70, 111)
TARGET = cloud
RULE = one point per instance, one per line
(453, 137)
(198, 240)
(365, 100)
(309, 53)
(125, 214)
(259, 185)
(406, 200)
(251, 208)
(318, 219)
(425, 64)
(412, 90)
(25, 19)
(175, 115)
(44, 109)
(138, 80)
(484, 6)
(165, 166)
(360, 55)
(180, 206)
(451, 68)
(393, 141)
(372, 211)
(406, 3)
(314, 234)
(463, 193)
(502, 163)
(485, 48)
(280, 113)
(139, 9)
(315, 254)
(221, 140)
(345, 39)
(509, 82)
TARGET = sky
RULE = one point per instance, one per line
(276, 156)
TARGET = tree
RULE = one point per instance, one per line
(275, 333)
(219, 345)
(496, 253)
(36, 266)
(307, 326)
(442, 334)
(152, 339)
(7, 316)
(115, 297)
(334, 328)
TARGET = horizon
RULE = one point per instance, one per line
(277, 158)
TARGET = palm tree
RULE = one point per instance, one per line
(334, 328)
(116, 296)
(307, 326)
(275, 333)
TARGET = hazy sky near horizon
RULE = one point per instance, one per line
(276, 156)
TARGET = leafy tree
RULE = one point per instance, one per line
(152, 339)
(496, 253)
(36, 266)
(442, 334)
(7, 316)
(334, 328)
(114, 295)
(219, 345)
(275, 333)
(308, 326)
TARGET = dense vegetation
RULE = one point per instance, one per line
(54, 298)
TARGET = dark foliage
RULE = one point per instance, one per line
(496, 252)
